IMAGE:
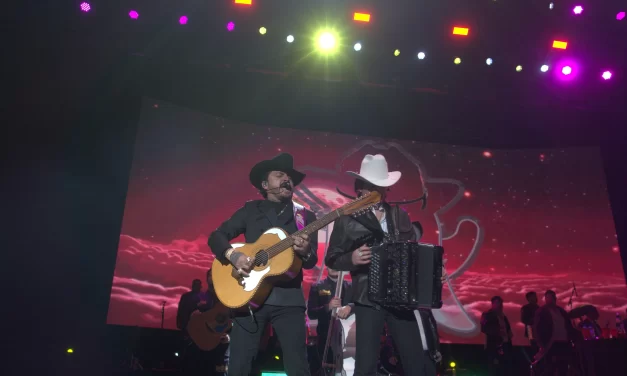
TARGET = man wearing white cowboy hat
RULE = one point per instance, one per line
(348, 251)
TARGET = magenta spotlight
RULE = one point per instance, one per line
(567, 70)
(85, 7)
(183, 20)
(620, 15)
(578, 9)
(606, 75)
(133, 14)
(230, 26)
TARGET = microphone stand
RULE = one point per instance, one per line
(570, 301)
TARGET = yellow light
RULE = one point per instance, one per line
(245, 2)
(559, 44)
(262, 30)
(452, 364)
(326, 41)
(457, 61)
(70, 351)
(361, 17)
(519, 68)
(397, 52)
(460, 30)
(276, 357)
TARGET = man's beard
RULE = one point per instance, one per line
(285, 195)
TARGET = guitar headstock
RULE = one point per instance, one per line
(362, 204)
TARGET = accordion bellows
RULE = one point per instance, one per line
(406, 275)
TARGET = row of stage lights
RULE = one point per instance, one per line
(360, 17)
(326, 41)
(364, 17)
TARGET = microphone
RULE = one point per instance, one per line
(286, 184)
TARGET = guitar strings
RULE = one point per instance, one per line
(315, 226)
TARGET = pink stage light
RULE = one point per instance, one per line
(230, 26)
(133, 14)
(606, 75)
(578, 9)
(85, 7)
(183, 20)
(567, 70)
(620, 15)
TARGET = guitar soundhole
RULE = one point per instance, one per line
(261, 258)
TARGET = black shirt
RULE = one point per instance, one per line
(527, 313)
(189, 303)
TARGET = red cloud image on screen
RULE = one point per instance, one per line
(540, 219)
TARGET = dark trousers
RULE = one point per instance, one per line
(558, 358)
(404, 329)
(322, 340)
(197, 362)
(289, 325)
(500, 360)
(534, 347)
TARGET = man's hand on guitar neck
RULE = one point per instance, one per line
(242, 263)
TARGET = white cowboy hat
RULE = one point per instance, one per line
(374, 170)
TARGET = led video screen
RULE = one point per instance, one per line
(510, 221)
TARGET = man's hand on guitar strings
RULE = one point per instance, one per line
(242, 263)
(301, 244)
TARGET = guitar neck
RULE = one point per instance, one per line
(359, 205)
(308, 230)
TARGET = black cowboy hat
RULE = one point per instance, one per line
(282, 162)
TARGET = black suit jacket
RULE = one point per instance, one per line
(351, 233)
(543, 325)
(320, 295)
(527, 314)
(491, 327)
(188, 304)
(252, 220)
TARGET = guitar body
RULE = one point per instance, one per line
(208, 328)
(238, 292)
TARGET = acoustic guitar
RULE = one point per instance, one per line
(274, 259)
(208, 328)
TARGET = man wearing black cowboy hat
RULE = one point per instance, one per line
(348, 252)
(285, 307)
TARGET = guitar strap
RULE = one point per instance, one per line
(299, 216)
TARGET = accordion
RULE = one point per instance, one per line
(406, 275)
